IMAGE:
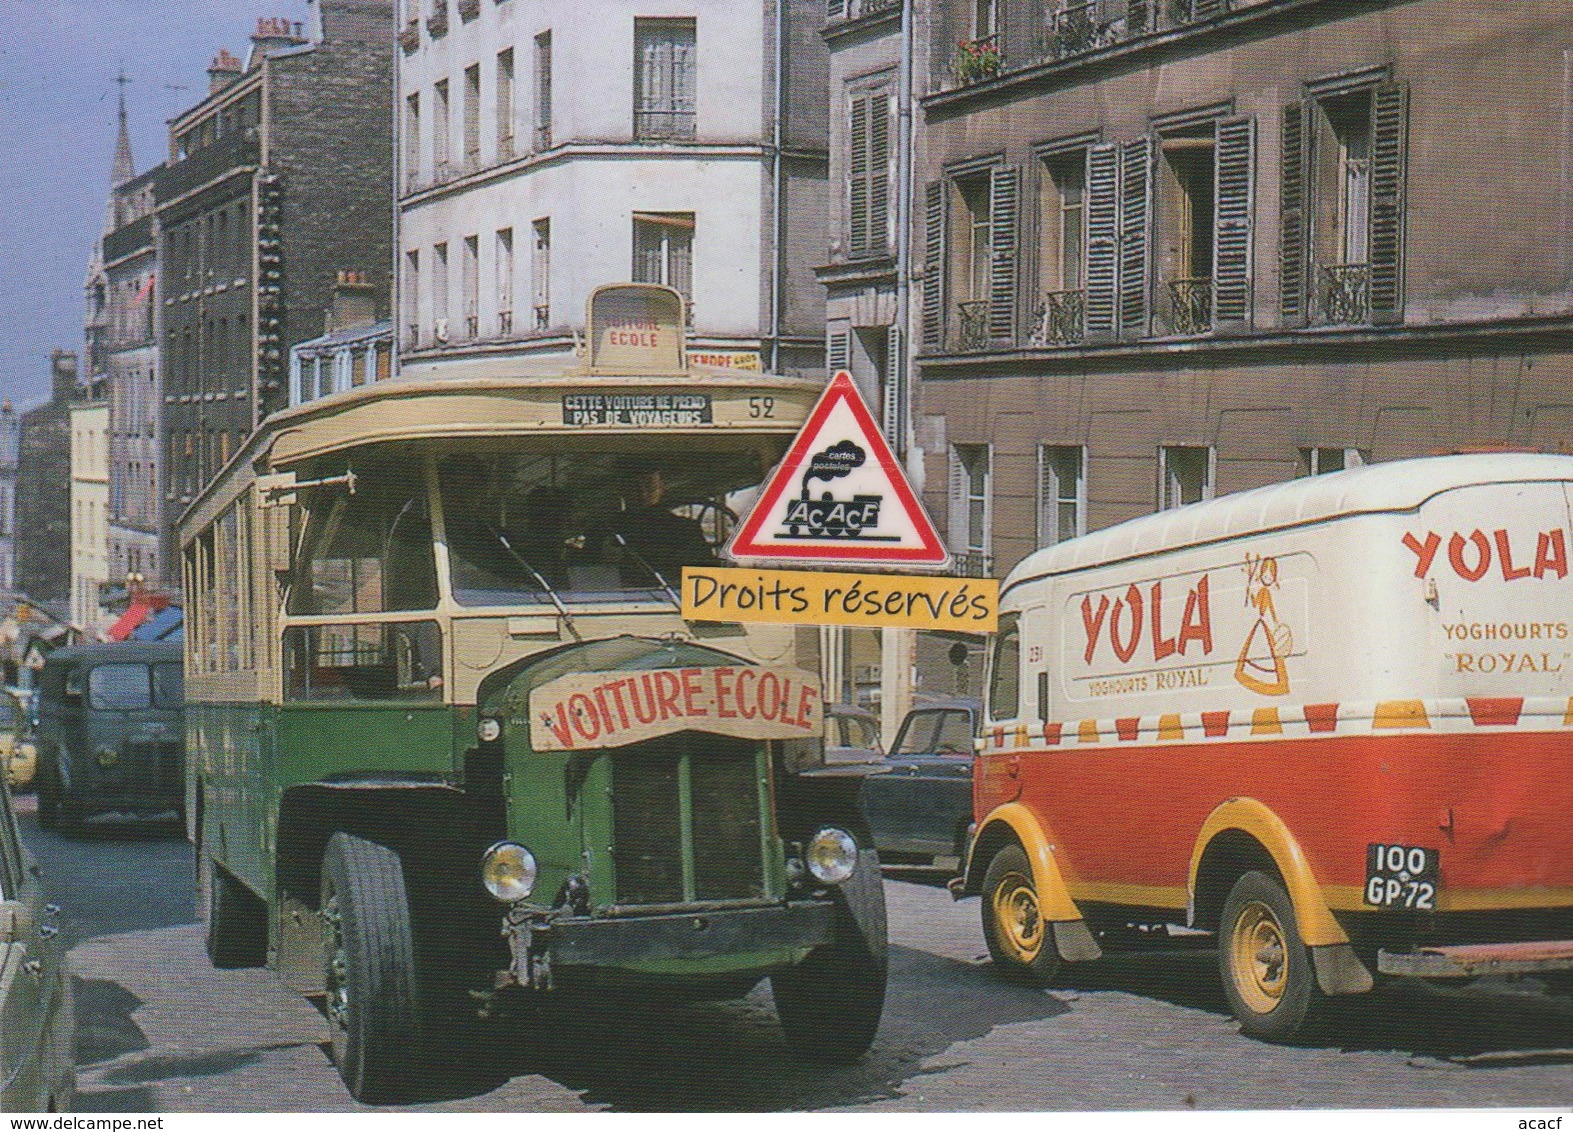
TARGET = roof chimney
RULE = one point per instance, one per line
(224, 70)
(354, 303)
(273, 33)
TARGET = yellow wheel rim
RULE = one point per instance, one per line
(1016, 917)
(1260, 953)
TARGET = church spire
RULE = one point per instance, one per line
(123, 169)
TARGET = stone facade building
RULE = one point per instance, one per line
(10, 444)
(90, 567)
(1171, 251)
(549, 147)
(43, 491)
(276, 180)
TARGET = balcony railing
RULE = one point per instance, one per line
(1073, 29)
(542, 314)
(661, 124)
(505, 324)
(974, 325)
(1190, 306)
(412, 336)
(971, 564)
(1346, 294)
(543, 136)
(1059, 319)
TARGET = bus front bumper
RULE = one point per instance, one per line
(711, 941)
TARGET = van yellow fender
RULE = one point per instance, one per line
(1315, 919)
(1054, 899)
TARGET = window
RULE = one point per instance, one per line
(470, 285)
(1184, 230)
(119, 687)
(1316, 461)
(1062, 249)
(502, 263)
(505, 147)
(412, 292)
(1342, 202)
(1005, 669)
(439, 291)
(541, 275)
(368, 552)
(868, 174)
(985, 18)
(543, 90)
(1062, 493)
(970, 252)
(664, 79)
(664, 250)
(971, 507)
(1185, 475)
(412, 141)
(472, 117)
(441, 156)
(364, 661)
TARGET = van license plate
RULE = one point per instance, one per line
(1401, 876)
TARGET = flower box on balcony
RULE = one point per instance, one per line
(978, 59)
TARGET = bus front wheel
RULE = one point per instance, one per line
(1266, 970)
(369, 969)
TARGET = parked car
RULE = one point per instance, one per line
(111, 733)
(920, 808)
(18, 752)
(36, 1018)
(851, 735)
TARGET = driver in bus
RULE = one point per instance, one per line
(652, 533)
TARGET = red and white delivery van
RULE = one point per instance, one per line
(1331, 720)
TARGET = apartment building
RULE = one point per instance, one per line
(548, 147)
(1173, 250)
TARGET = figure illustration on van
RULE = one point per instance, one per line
(1263, 666)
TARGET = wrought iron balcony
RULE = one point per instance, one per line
(1346, 294)
(1190, 306)
(543, 315)
(971, 564)
(543, 136)
(1058, 321)
(1073, 29)
(974, 325)
(505, 324)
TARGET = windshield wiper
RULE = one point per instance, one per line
(540, 580)
(654, 573)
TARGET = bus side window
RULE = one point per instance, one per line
(1005, 670)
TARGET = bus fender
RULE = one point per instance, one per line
(1338, 969)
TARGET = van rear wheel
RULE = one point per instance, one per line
(1266, 969)
(369, 970)
(1019, 940)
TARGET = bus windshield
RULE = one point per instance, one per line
(595, 525)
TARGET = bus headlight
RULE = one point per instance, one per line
(488, 730)
(508, 871)
(106, 756)
(831, 855)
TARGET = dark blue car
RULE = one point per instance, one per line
(920, 807)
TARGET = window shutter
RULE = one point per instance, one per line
(957, 490)
(1234, 167)
(858, 179)
(1004, 195)
(1389, 113)
(1294, 212)
(1103, 232)
(1135, 211)
(936, 219)
(838, 350)
(879, 107)
(895, 389)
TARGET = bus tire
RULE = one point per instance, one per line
(830, 1003)
(369, 970)
(236, 922)
(1019, 940)
(1266, 970)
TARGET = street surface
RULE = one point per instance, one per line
(158, 1029)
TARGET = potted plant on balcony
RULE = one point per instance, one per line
(977, 59)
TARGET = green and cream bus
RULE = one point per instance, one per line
(450, 740)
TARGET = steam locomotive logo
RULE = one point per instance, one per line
(828, 517)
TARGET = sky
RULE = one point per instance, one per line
(58, 63)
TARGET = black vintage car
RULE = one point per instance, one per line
(919, 809)
(111, 734)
